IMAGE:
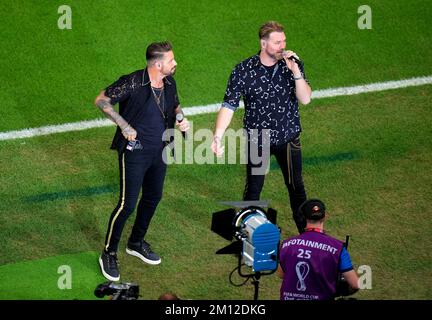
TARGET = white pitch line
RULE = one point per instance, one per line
(190, 111)
(379, 86)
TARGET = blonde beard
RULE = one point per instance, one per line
(276, 56)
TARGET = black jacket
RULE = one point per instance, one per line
(132, 92)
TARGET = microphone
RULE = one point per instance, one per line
(179, 118)
(293, 58)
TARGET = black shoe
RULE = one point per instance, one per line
(143, 251)
(109, 265)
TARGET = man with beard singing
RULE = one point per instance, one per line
(148, 104)
(272, 83)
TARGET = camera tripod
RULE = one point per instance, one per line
(255, 276)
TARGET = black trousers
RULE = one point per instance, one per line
(289, 158)
(141, 169)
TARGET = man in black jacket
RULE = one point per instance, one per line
(148, 104)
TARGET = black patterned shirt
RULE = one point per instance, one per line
(133, 94)
(270, 100)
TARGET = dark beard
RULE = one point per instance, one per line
(170, 73)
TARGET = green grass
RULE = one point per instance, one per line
(52, 76)
(68, 277)
(367, 156)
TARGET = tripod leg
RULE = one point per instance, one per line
(256, 284)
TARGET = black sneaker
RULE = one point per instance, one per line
(143, 251)
(109, 265)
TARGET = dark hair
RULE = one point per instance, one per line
(269, 27)
(313, 209)
(156, 50)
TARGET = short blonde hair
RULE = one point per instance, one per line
(269, 27)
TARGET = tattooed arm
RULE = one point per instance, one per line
(104, 104)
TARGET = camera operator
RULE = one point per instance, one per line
(311, 262)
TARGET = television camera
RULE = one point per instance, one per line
(117, 291)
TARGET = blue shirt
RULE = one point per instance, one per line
(345, 263)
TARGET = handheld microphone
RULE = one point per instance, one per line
(179, 118)
(293, 58)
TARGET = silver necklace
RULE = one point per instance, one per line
(158, 101)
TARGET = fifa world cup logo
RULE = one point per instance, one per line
(302, 270)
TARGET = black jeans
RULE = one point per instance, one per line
(289, 158)
(141, 169)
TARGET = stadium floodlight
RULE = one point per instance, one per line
(255, 234)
